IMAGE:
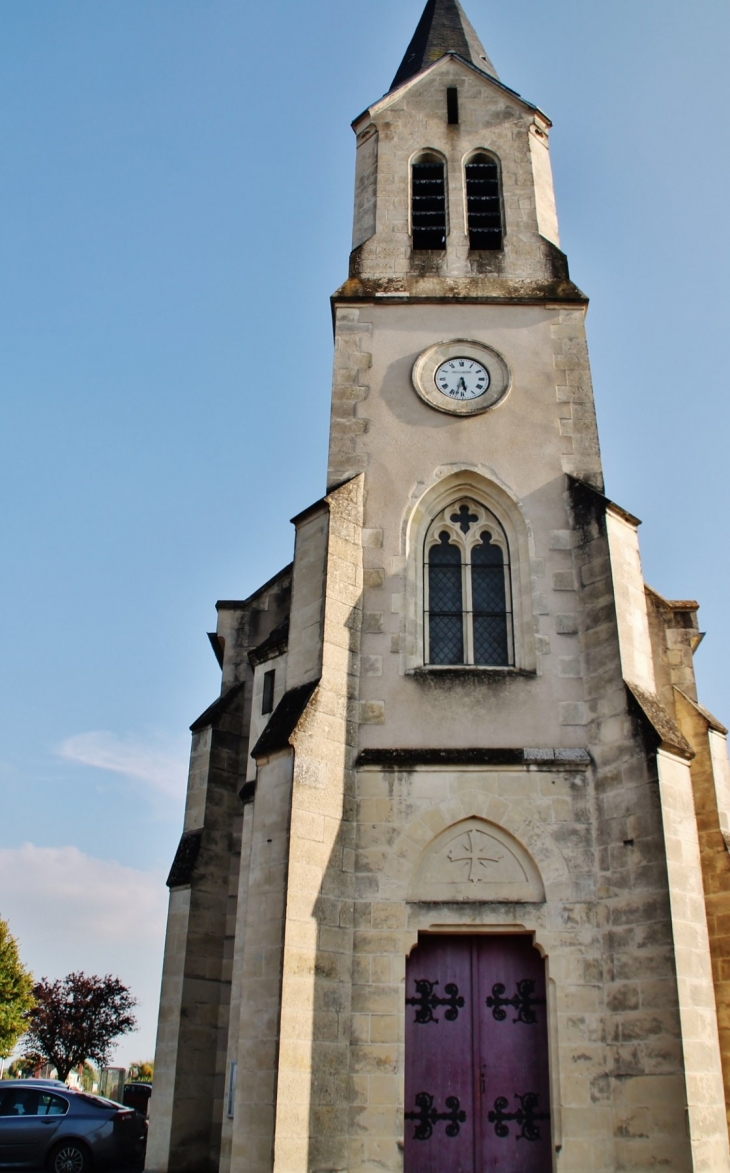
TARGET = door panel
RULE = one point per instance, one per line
(439, 1083)
(477, 1077)
(514, 1073)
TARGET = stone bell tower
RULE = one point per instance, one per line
(451, 889)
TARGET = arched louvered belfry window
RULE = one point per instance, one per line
(483, 202)
(428, 202)
(467, 589)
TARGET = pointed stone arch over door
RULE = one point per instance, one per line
(477, 1085)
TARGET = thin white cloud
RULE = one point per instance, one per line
(71, 911)
(158, 766)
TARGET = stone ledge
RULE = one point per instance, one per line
(554, 759)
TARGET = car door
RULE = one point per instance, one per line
(29, 1118)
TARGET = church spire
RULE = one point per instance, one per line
(443, 28)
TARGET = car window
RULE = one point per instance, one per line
(19, 1102)
(50, 1105)
(97, 1101)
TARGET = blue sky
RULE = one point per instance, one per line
(175, 204)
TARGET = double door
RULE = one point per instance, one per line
(477, 1077)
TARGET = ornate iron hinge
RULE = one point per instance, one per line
(523, 1002)
(427, 1116)
(526, 1116)
(426, 1001)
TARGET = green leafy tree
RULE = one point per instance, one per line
(89, 1077)
(16, 992)
(141, 1072)
(77, 1018)
(21, 1068)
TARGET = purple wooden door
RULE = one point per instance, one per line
(476, 1080)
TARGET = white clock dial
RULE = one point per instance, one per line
(462, 378)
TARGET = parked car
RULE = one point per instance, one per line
(44, 1123)
(137, 1095)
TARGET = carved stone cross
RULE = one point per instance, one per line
(475, 857)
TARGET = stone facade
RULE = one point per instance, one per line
(323, 824)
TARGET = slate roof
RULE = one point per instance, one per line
(284, 719)
(217, 709)
(274, 645)
(185, 859)
(443, 28)
(665, 727)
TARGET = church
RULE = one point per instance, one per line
(453, 889)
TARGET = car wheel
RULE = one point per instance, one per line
(69, 1157)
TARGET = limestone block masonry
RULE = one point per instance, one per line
(459, 719)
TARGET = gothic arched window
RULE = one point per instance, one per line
(483, 202)
(428, 202)
(467, 589)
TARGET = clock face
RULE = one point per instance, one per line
(462, 378)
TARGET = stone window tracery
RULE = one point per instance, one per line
(467, 589)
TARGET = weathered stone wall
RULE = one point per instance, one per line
(413, 119)
(366, 187)
(544, 428)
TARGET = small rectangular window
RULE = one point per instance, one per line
(267, 700)
(232, 1077)
(452, 105)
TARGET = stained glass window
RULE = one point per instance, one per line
(489, 604)
(467, 589)
(446, 607)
